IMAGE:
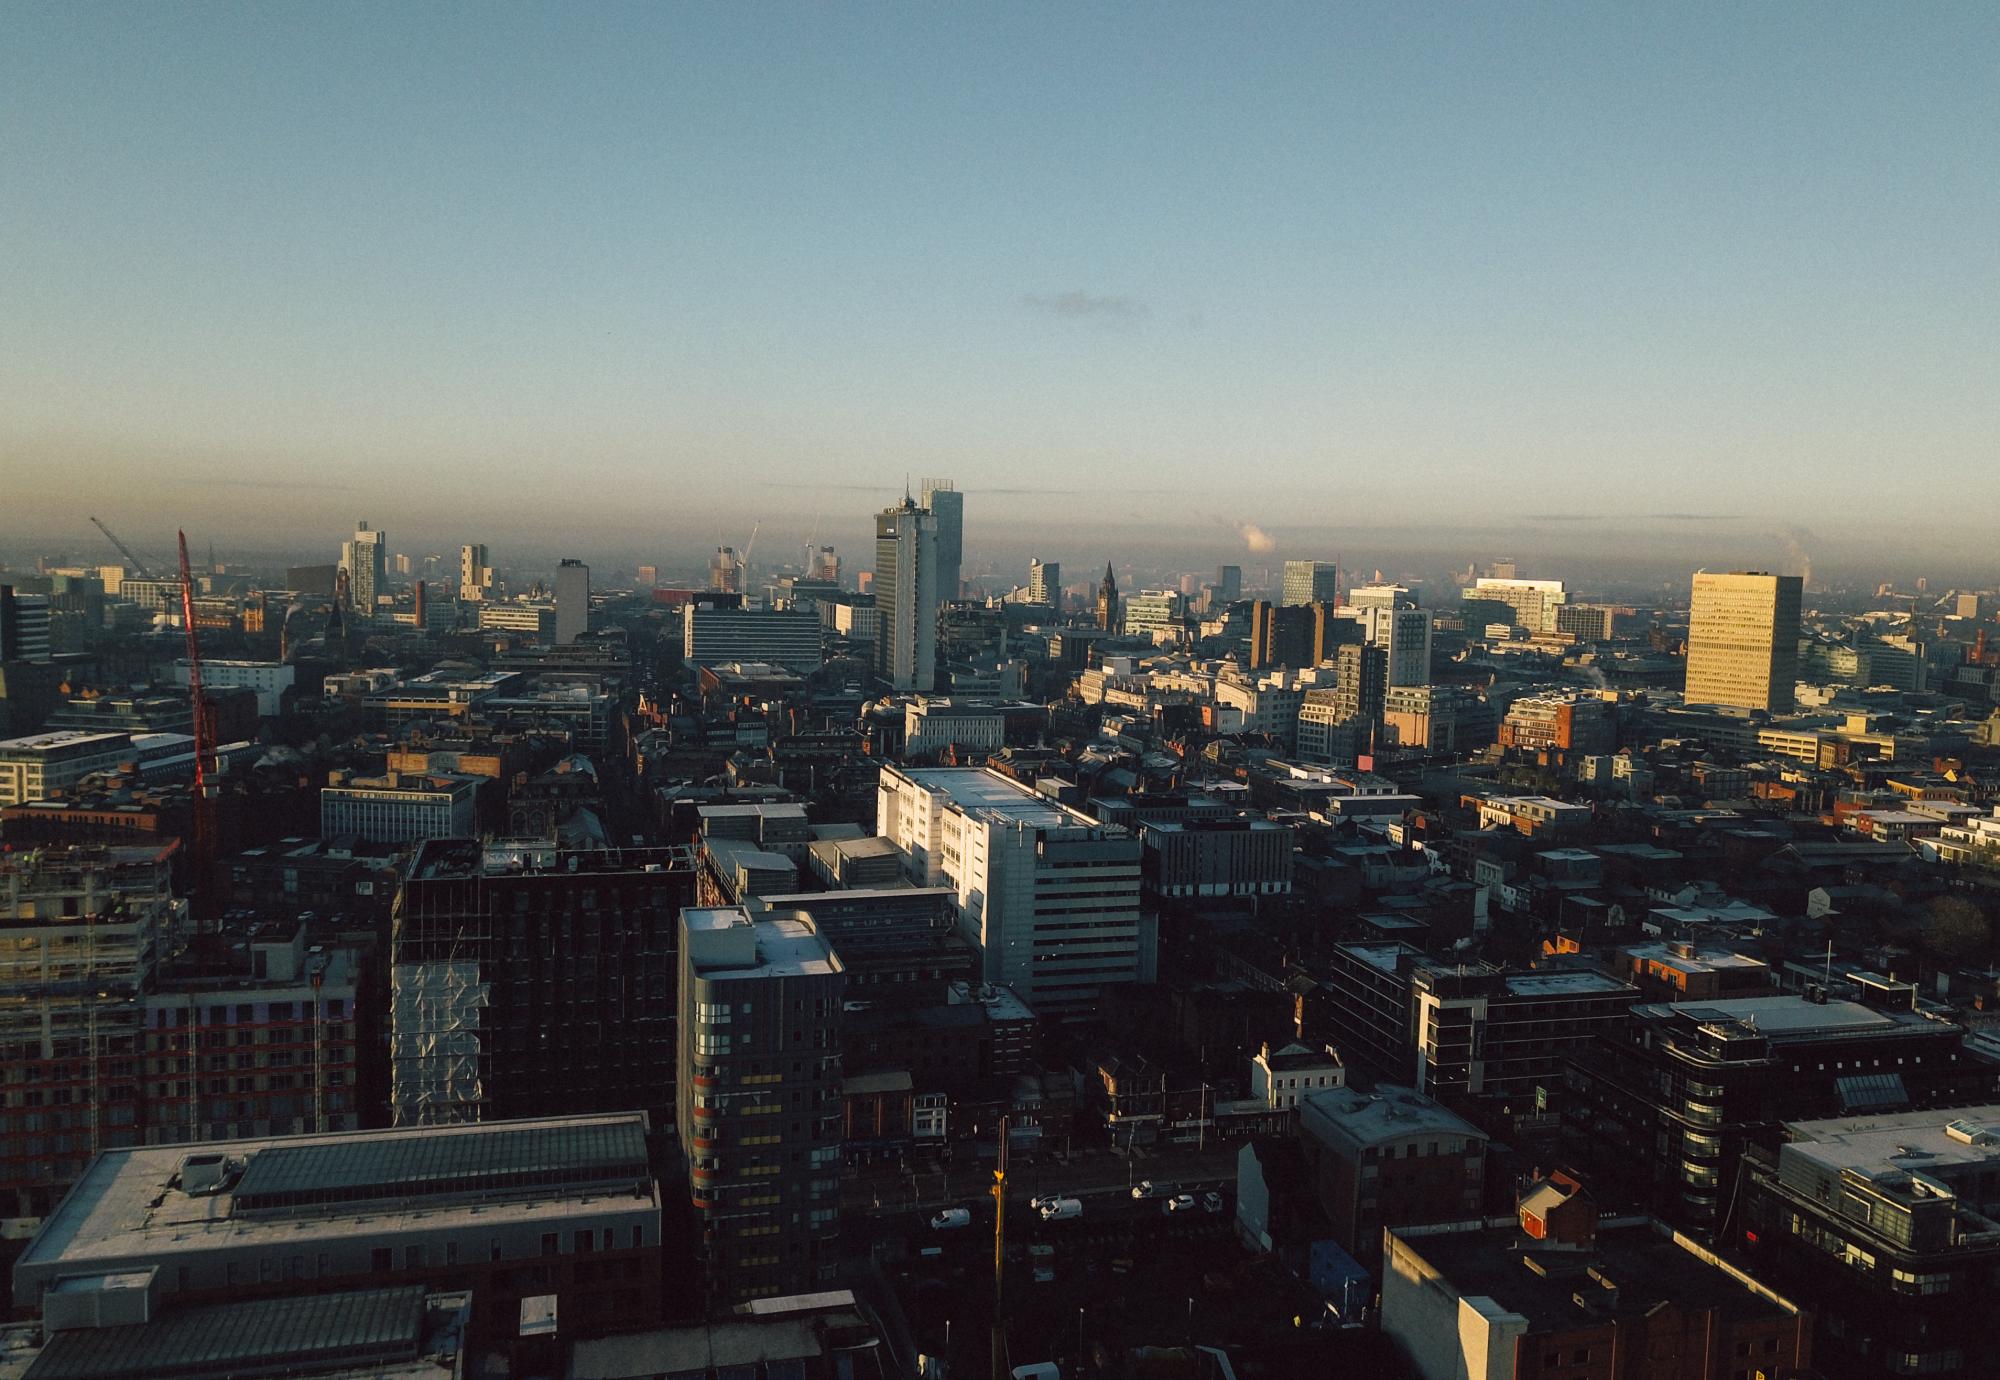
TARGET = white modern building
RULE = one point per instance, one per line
(1045, 583)
(366, 561)
(1405, 635)
(397, 807)
(783, 637)
(45, 764)
(1311, 582)
(519, 616)
(933, 723)
(1049, 896)
(908, 589)
(475, 576)
(270, 679)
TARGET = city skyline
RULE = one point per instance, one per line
(1666, 276)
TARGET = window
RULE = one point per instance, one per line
(380, 1260)
(548, 1243)
(586, 1240)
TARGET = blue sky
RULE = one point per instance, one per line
(610, 269)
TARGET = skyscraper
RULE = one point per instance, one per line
(1743, 640)
(1107, 601)
(1045, 583)
(366, 561)
(907, 593)
(759, 1094)
(475, 576)
(1311, 582)
(1228, 584)
(24, 626)
(572, 601)
(947, 504)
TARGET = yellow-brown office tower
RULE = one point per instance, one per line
(1743, 640)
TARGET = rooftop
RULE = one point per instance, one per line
(784, 946)
(130, 1206)
(1574, 982)
(1388, 1113)
(1785, 1017)
(63, 737)
(978, 791)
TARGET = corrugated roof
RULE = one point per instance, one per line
(266, 1334)
(446, 1160)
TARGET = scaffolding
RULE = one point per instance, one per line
(434, 1014)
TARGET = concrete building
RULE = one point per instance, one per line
(759, 1091)
(532, 978)
(783, 637)
(1045, 583)
(397, 807)
(270, 680)
(366, 561)
(1282, 1078)
(907, 594)
(1513, 1300)
(1310, 582)
(1531, 605)
(42, 765)
(563, 1206)
(1228, 586)
(934, 723)
(1381, 597)
(572, 601)
(1159, 615)
(1389, 1156)
(475, 576)
(1559, 729)
(1404, 635)
(535, 617)
(81, 929)
(24, 626)
(1218, 857)
(1050, 898)
(945, 503)
(1743, 640)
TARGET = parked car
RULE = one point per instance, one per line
(1211, 1201)
(1180, 1202)
(1060, 1209)
(1144, 1189)
(951, 1218)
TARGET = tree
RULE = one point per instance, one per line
(1957, 930)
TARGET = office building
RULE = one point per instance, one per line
(1466, 1030)
(1045, 583)
(365, 559)
(907, 595)
(1891, 1224)
(945, 503)
(24, 626)
(933, 723)
(572, 601)
(1297, 634)
(269, 679)
(1743, 641)
(1381, 597)
(563, 1206)
(1557, 730)
(1435, 718)
(1049, 896)
(1663, 1106)
(790, 638)
(81, 929)
(1555, 1293)
(533, 978)
(1107, 602)
(475, 576)
(535, 617)
(1218, 857)
(1531, 605)
(1311, 582)
(397, 807)
(1390, 1156)
(759, 1099)
(42, 766)
(1228, 585)
(1403, 632)
(1157, 615)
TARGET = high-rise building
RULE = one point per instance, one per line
(1158, 614)
(1311, 582)
(1529, 604)
(24, 626)
(947, 504)
(1228, 583)
(1107, 601)
(1297, 634)
(475, 576)
(725, 571)
(572, 601)
(1045, 583)
(784, 637)
(366, 561)
(649, 576)
(908, 590)
(530, 980)
(1048, 895)
(759, 1089)
(1743, 640)
(823, 564)
(1404, 635)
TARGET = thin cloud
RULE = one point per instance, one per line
(1087, 306)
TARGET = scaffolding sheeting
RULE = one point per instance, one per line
(435, 1013)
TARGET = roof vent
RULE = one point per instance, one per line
(203, 1173)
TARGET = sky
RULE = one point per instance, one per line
(622, 278)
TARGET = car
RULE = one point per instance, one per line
(1144, 1189)
(952, 1218)
(1180, 1202)
(1059, 1209)
(1211, 1201)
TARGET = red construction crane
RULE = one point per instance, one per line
(204, 745)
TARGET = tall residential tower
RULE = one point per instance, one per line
(1743, 640)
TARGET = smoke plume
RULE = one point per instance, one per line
(1259, 541)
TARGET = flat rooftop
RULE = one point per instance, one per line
(129, 1207)
(1388, 1113)
(62, 737)
(784, 946)
(977, 791)
(1785, 1016)
(1923, 1141)
(1702, 960)
(1576, 982)
(1385, 955)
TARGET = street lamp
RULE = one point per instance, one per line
(1079, 1341)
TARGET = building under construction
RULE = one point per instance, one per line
(534, 980)
(81, 929)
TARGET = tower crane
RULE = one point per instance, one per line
(204, 738)
(124, 550)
